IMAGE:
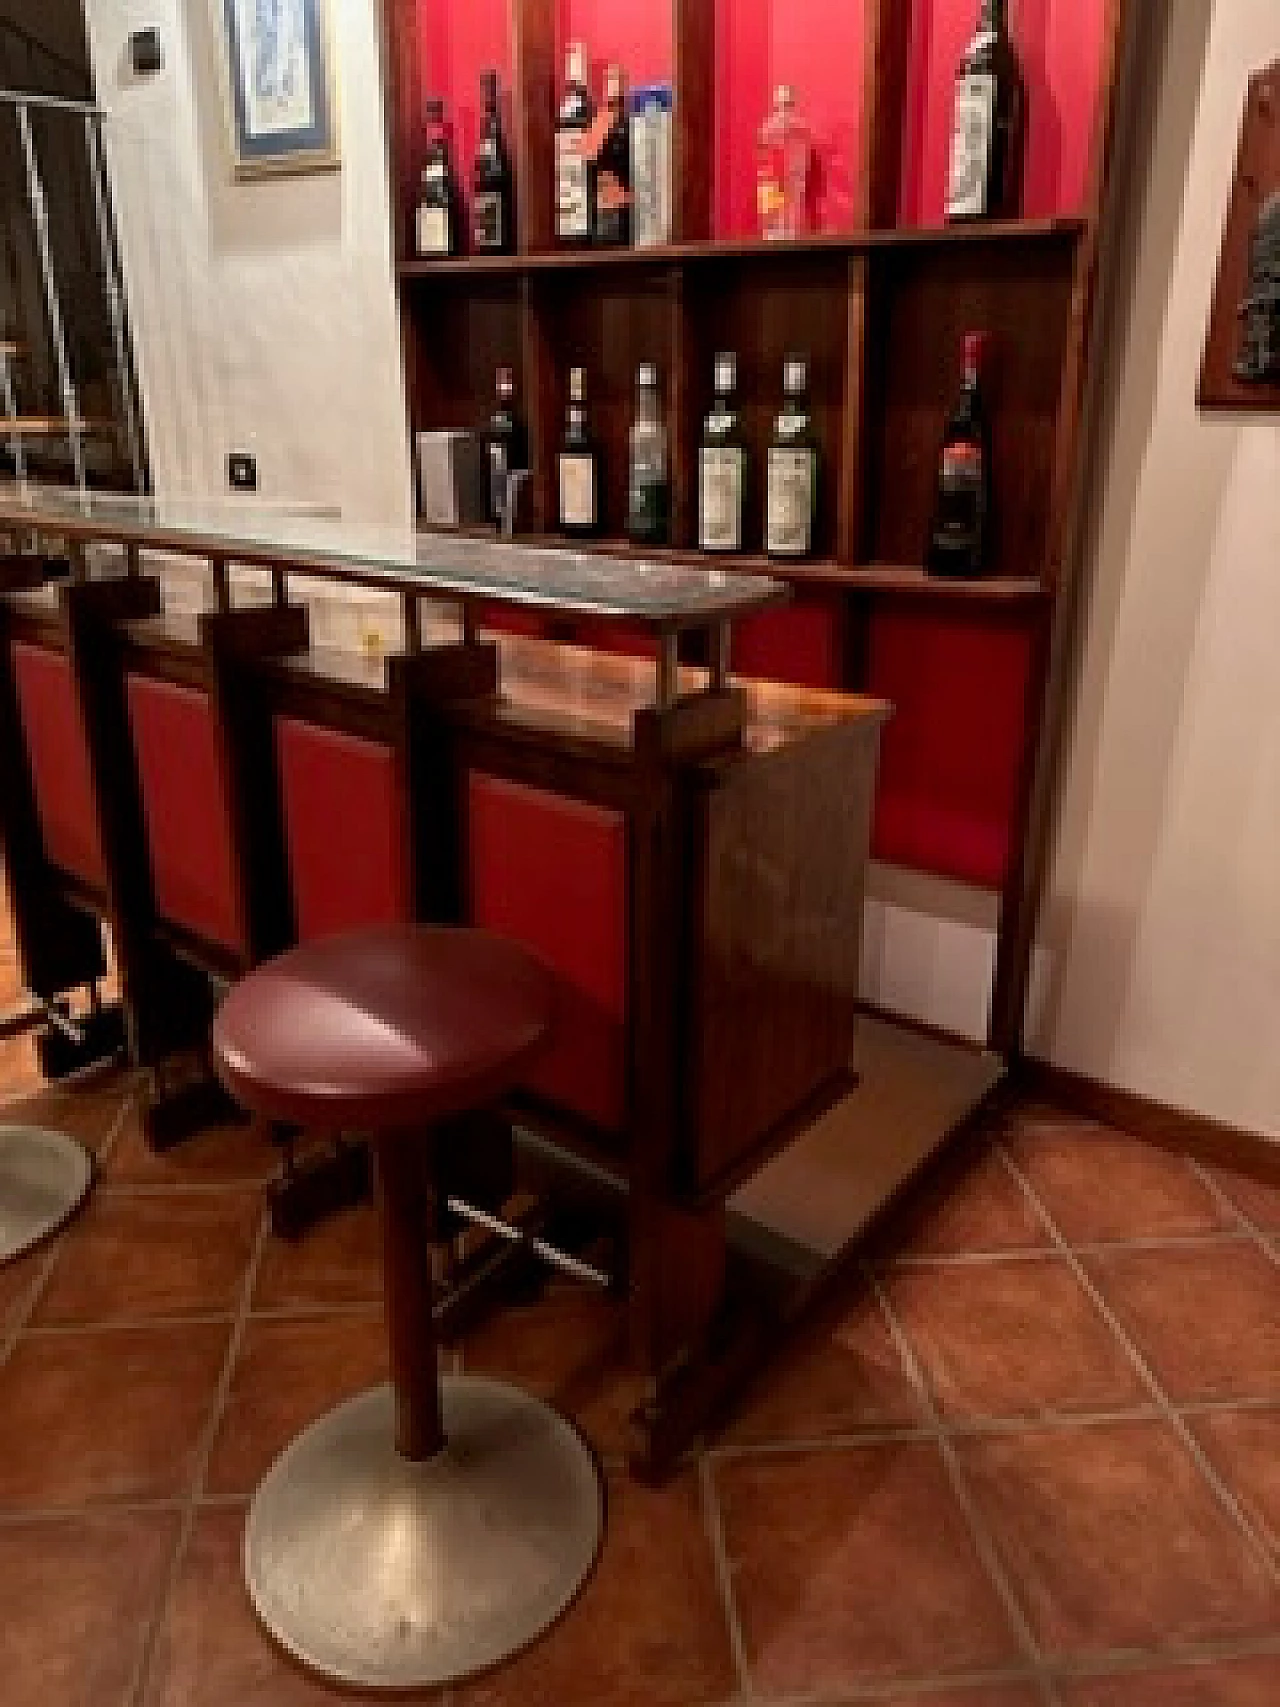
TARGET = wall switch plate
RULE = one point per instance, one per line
(145, 54)
(242, 471)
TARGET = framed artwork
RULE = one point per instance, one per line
(280, 86)
(1241, 367)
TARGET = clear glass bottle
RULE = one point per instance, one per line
(783, 157)
(575, 197)
(722, 465)
(648, 488)
(791, 502)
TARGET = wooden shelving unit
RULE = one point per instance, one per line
(879, 298)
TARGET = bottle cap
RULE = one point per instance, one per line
(506, 383)
(784, 96)
(726, 371)
(577, 384)
(433, 108)
(489, 87)
(795, 375)
(613, 83)
(975, 349)
(647, 375)
(576, 63)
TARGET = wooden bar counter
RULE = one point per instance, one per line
(685, 851)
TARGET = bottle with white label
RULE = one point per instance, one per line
(791, 500)
(438, 226)
(578, 464)
(575, 173)
(722, 465)
(989, 124)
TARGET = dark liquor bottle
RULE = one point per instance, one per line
(990, 118)
(439, 228)
(493, 190)
(791, 502)
(506, 442)
(575, 172)
(960, 538)
(578, 464)
(613, 167)
(648, 501)
(722, 465)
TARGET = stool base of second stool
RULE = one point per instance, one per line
(44, 1176)
(386, 1574)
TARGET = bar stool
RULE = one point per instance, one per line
(427, 1529)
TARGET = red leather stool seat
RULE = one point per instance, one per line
(387, 1027)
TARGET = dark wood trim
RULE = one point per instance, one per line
(1214, 1142)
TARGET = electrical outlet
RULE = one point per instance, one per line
(242, 471)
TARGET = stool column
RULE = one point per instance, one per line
(406, 1206)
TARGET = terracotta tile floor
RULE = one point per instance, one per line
(1026, 1454)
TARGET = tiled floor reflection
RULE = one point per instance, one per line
(1027, 1454)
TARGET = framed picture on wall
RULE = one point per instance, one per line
(280, 86)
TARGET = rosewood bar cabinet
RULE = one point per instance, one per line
(686, 851)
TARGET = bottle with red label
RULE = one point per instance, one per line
(960, 536)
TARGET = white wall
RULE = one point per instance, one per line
(1160, 942)
(263, 313)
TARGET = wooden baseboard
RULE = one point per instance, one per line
(1211, 1141)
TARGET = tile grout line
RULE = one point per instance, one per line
(978, 1531)
(136, 1692)
(1230, 1504)
(1048, 1252)
(893, 1689)
(40, 1280)
(1248, 1226)
(713, 1520)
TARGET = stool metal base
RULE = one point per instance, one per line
(385, 1574)
(44, 1176)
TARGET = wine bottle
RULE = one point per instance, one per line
(722, 465)
(990, 116)
(506, 442)
(791, 502)
(574, 170)
(612, 226)
(493, 190)
(439, 229)
(578, 464)
(648, 502)
(960, 536)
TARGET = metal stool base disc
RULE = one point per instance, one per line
(44, 1176)
(384, 1574)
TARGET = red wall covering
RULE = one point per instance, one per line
(551, 872)
(458, 39)
(59, 761)
(344, 829)
(1061, 46)
(952, 751)
(818, 49)
(185, 806)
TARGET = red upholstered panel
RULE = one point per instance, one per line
(552, 873)
(1061, 45)
(953, 749)
(803, 643)
(59, 761)
(635, 34)
(608, 636)
(815, 45)
(344, 829)
(185, 806)
(459, 39)
(512, 619)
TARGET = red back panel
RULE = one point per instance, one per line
(953, 750)
(608, 636)
(551, 873)
(1060, 43)
(635, 34)
(512, 619)
(803, 643)
(819, 50)
(59, 761)
(344, 829)
(184, 803)
(457, 41)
